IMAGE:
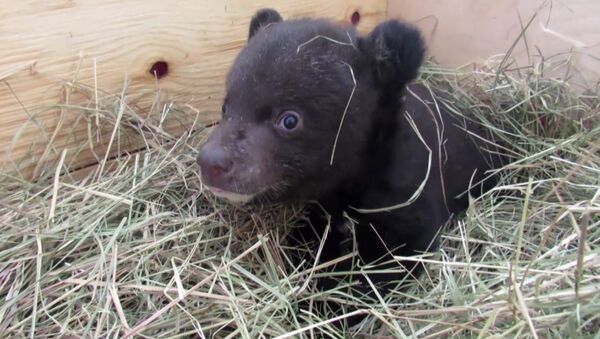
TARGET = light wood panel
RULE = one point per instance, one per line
(99, 43)
(460, 32)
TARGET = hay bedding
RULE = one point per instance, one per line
(134, 246)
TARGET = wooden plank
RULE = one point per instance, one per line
(461, 32)
(99, 43)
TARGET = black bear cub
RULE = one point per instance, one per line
(315, 112)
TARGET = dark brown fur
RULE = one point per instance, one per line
(308, 66)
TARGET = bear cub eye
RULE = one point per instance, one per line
(289, 121)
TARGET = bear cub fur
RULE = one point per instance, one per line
(314, 112)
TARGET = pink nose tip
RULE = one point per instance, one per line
(214, 162)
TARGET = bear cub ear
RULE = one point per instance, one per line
(396, 51)
(262, 19)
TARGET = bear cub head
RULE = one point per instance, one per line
(305, 100)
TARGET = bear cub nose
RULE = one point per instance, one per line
(214, 162)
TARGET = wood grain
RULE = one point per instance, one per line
(100, 43)
(461, 32)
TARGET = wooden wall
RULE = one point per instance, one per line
(100, 43)
(461, 32)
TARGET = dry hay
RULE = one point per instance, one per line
(134, 245)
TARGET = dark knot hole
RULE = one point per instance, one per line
(159, 69)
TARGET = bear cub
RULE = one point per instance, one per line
(314, 112)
